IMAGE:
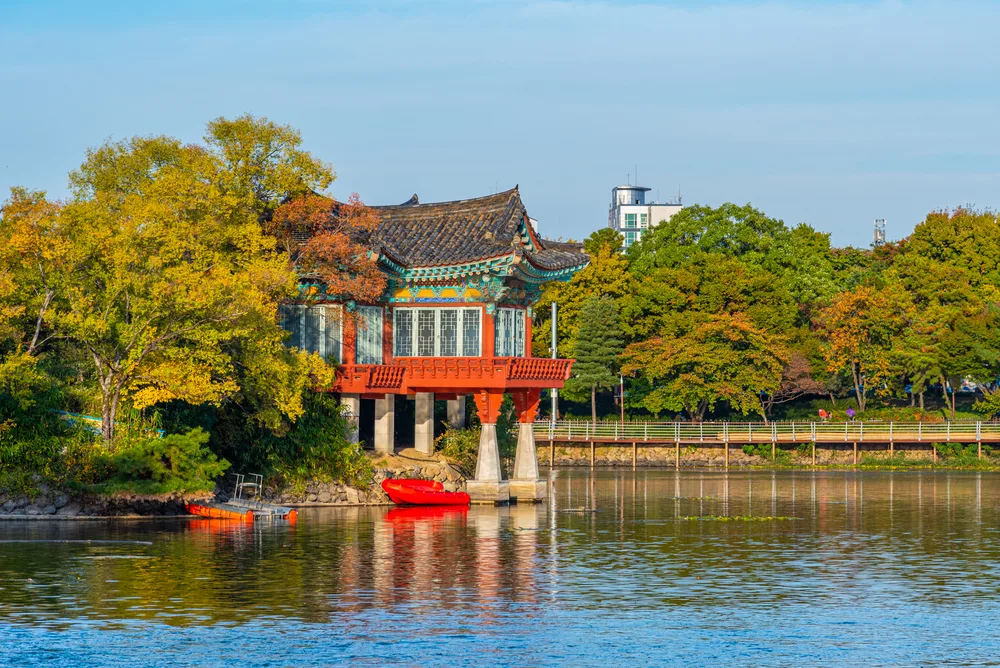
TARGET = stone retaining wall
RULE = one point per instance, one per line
(827, 454)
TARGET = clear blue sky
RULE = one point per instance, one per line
(832, 113)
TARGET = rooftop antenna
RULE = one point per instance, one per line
(879, 232)
(628, 178)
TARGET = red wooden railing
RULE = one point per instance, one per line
(452, 373)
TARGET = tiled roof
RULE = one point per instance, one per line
(446, 233)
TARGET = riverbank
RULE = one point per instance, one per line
(50, 502)
(804, 457)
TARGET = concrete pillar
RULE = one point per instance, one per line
(525, 485)
(456, 412)
(352, 402)
(385, 424)
(423, 432)
(488, 485)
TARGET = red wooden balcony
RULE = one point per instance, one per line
(452, 375)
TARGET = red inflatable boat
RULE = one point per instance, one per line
(422, 493)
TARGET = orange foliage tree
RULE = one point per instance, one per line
(860, 328)
(331, 242)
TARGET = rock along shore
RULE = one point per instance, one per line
(59, 504)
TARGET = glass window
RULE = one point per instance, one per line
(643, 220)
(330, 347)
(402, 330)
(629, 220)
(425, 332)
(315, 329)
(508, 338)
(631, 238)
(448, 332)
(311, 332)
(369, 335)
(291, 320)
(436, 332)
(470, 332)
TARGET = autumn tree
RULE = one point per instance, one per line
(167, 284)
(721, 357)
(860, 328)
(263, 164)
(596, 348)
(330, 242)
(797, 381)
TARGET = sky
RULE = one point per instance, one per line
(829, 113)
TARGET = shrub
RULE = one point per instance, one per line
(317, 447)
(965, 456)
(174, 463)
(462, 446)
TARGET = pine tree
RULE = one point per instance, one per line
(596, 348)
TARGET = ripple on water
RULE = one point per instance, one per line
(877, 569)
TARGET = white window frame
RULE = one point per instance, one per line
(509, 331)
(461, 312)
(643, 221)
(633, 221)
(329, 315)
(369, 334)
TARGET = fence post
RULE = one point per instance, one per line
(701, 432)
(645, 431)
(862, 431)
(947, 431)
(793, 432)
(920, 431)
(812, 432)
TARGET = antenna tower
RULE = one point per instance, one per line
(879, 232)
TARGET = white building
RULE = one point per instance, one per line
(631, 215)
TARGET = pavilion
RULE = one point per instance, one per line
(454, 320)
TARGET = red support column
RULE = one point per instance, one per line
(488, 334)
(488, 404)
(526, 405)
(387, 336)
(350, 338)
(527, 332)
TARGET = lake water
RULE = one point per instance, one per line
(875, 568)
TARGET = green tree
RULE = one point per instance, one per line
(263, 164)
(165, 280)
(606, 276)
(597, 345)
(723, 357)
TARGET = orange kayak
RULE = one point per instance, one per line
(422, 493)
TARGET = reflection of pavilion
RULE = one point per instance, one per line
(451, 556)
(455, 321)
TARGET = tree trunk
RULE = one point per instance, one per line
(833, 400)
(954, 395)
(913, 398)
(858, 393)
(593, 405)
(921, 400)
(109, 411)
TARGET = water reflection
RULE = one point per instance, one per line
(913, 550)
